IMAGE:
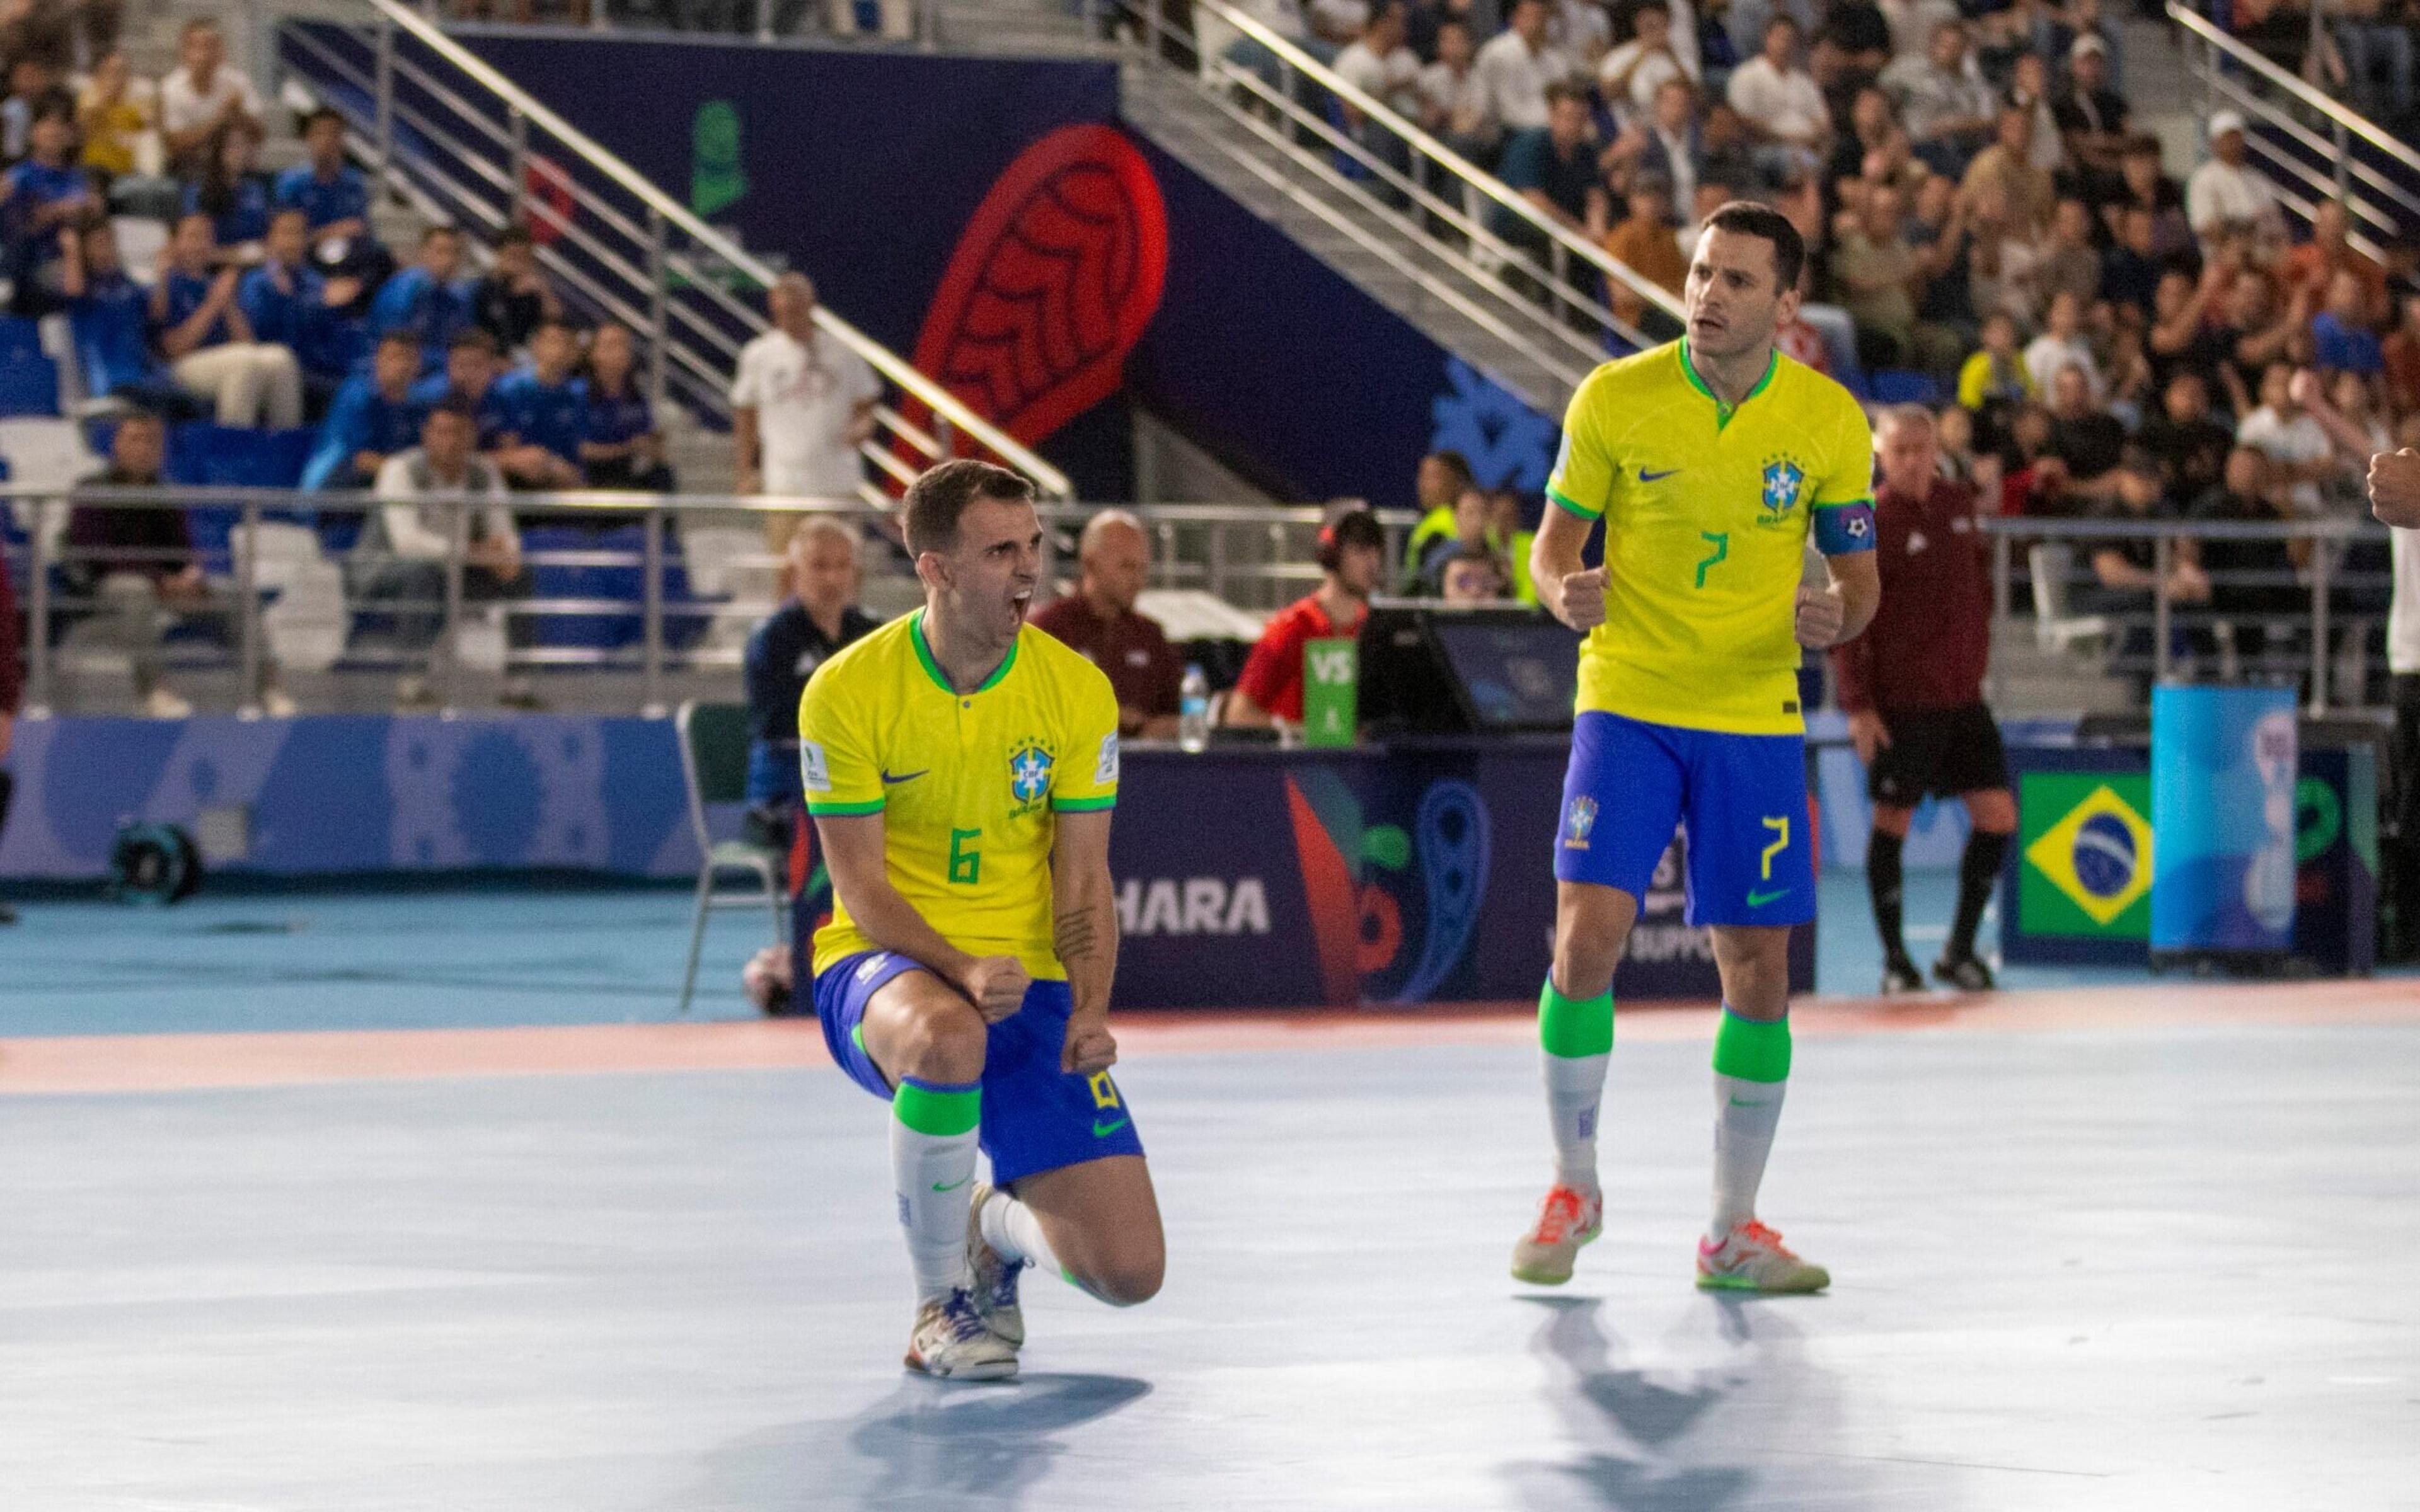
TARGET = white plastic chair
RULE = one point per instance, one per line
(2058, 631)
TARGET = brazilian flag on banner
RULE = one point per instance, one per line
(2085, 842)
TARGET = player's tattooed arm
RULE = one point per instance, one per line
(1084, 934)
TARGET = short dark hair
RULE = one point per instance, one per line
(1564, 89)
(439, 229)
(400, 338)
(53, 105)
(1351, 524)
(456, 406)
(474, 336)
(321, 113)
(1457, 464)
(140, 416)
(515, 235)
(1746, 218)
(938, 499)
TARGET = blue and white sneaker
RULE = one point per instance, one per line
(949, 1340)
(992, 1278)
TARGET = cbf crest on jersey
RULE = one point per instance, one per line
(1029, 777)
(1783, 478)
(1579, 820)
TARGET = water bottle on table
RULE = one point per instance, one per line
(1193, 710)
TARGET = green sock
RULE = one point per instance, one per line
(1577, 1037)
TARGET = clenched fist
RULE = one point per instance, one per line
(1577, 598)
(1820, 614)
(996, 985)
(2395, 487)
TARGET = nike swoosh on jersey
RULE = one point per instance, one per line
(1102, 1129)
(1645, 476)
(888, 780)
(1757, 899)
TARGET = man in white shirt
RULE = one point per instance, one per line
(1516, 66)
(404, 543)
(201, 96)
(1633, 73)
(1452, 103)
(1942, 100)
(2295, 443)
(1382, 67)
(1779, 100)
(801, 404)
(2227, 193)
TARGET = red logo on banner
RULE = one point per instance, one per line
(547, 202)
(1056, 276)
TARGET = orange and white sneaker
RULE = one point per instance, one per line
(1566, 1220)
(1752, 1258)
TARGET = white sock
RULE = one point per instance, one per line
(1745, 1115)
(1575, 1091)
(1011, 1227)
(934, 1174)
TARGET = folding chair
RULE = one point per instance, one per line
(714, 766)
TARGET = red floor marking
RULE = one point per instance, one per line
(167, 1062)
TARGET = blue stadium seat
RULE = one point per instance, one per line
(604, 632)
(29, 378)
(1897, 385)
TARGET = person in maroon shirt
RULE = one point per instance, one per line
(1912, 687)
(1099, 619)
(1351, 554)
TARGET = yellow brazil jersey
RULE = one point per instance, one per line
(1707, 510)
(965, 783)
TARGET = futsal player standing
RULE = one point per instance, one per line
(961, 767)
(1710, 461)
(1912, 686)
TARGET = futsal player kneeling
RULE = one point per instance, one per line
(1712, 463)
(961, 767)
(1912, 686)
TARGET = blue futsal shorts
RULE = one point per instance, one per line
(1035, 1117)
(1741, 798)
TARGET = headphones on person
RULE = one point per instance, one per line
(1332, 534)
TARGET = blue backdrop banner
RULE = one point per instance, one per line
(2222, 771)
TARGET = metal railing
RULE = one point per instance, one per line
(1453, 213)
(1253, 557)
(763, 21)
(439, 125)
(2150, 634)
(2234, 75)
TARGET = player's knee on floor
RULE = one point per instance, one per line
(1126, 1279)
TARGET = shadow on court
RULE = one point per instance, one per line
(928, 1443)
(1691, 1429)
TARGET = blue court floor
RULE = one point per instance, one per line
(369, 960)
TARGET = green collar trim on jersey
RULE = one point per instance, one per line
(1723, 413)
(933, 669)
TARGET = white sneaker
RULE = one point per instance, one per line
(1566, 1220)
(993, 1282)
(1752, 1258)
(951, 1341)
(161, 704)
(279, 704)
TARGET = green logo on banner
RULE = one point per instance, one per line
(1331, 673)
(715, 180)
(2087, 856)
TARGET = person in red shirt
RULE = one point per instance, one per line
(1351, 554)
(1099, 619)
(1912, 687)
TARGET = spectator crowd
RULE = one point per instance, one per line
(1988, 233)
